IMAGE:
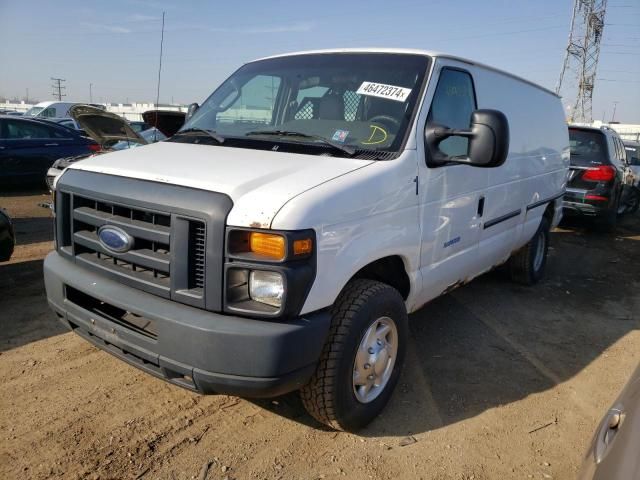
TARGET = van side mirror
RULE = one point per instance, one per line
(191, 109)
(488, 140)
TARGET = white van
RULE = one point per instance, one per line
(279, 240)
(53, 109)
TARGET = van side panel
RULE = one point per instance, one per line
(535, 169)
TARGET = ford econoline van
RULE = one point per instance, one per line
(279, 240)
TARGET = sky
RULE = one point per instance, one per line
(114, 45)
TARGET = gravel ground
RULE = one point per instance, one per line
(501, 381)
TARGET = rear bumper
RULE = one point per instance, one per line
(575, 203)
(193, 348)
(584, 209)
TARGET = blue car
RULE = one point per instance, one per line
(28, 147)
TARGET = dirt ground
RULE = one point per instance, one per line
(501, 382)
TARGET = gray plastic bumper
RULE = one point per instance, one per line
(193, 348)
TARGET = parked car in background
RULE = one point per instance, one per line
(166, 121)
(49, 110)
(600, 180)
(29, 146)
(613, 452)
(112, 132)
(54, 109)
(633, 157)
(65, 122)
(138, 126)
(7, 236)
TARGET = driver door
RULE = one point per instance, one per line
(451, 196)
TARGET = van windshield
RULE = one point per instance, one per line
(363, 101)
(33, 111)
(588, 147)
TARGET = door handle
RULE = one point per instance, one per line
(480, 206)
(608, 430)
(50, 144)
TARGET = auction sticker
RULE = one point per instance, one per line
(381, 90)
(340, 136)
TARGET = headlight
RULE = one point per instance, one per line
(50, 181)
(266, 287)
(268, 273)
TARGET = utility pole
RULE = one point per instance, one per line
(90, 93)
(159, 74)
(613, 116)
(58, 88)
(581, 57)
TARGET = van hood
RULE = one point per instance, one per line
(259, 182)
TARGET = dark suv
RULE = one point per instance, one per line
(600, 180)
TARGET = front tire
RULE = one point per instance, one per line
(362, 358)
(527, 265)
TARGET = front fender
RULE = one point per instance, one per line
(359, 218)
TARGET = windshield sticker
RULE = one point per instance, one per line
(378, 135)
(340, 136)
(381, 90)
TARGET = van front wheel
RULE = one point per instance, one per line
(527, 265)
(362, 357)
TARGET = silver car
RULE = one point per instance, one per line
(614, 453)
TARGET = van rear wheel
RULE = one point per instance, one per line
(362, 357)
(527, 265)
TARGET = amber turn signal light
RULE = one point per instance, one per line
(302, 247)
(268, 245)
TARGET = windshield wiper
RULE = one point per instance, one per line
(211, 133)
(287, 133)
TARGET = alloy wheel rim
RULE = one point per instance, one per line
(539, 256)
(375, 359)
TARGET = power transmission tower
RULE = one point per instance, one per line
(58, 88)
(581, 57)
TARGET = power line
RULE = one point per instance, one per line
(618, 81)
(58, 88)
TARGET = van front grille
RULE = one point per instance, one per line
(197, 256)
(149, 259)
(176, 234)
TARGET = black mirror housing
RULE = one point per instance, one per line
(191, 109)
(488, 140)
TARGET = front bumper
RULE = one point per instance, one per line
(193, 348)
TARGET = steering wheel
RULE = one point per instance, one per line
(386, 120)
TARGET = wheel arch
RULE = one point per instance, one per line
(550, 212)
(390, 270)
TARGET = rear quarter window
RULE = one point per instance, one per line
(588, 147)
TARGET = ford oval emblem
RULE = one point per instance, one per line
(115, 239)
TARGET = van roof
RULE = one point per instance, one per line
(413, 51)
(49, 103)
(43, 104)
